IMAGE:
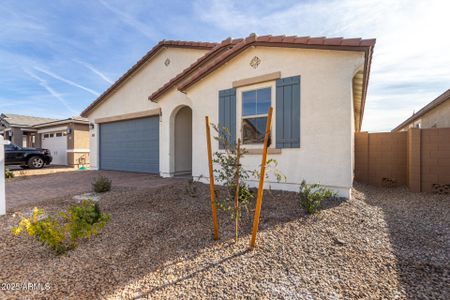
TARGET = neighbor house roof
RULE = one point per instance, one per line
(77, 119)
(162, 44)
(14, 120)
(432, 105)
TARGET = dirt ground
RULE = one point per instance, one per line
(384, 243)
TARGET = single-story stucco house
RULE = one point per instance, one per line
(435, 114)
(67, 139)
(153, 118)
(19, 128)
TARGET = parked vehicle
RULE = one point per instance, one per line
(33, 158)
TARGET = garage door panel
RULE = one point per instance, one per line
(57, 145)
(131, 145)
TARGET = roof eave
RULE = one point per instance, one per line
(139, 64)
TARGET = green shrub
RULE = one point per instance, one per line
(312, 195)
(61, 232)
(85, 219)
(101, 184)
(8, 173)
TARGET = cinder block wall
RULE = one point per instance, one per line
(381, 158)
(418, 158)
(435, 160)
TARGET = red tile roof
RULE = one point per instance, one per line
(341, 44)
(433, 104)
(217, 50)
(143, 60)
(355, 44)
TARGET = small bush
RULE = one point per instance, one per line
(8, 173)
(101, 184)
(312, 195)
(85, 219)
(62, 232)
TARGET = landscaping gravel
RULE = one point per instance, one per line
(384, 243)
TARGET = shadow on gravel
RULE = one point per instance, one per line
(192, 274)
(419, 229)
(150, 230)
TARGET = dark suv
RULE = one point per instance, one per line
(32, 158)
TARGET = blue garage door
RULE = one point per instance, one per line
(131, 145)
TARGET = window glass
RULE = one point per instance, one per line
(255, 106)
(263, 101)
(51, 135)
(59, 134)
(253, 130)
(249, 103)
(9, 147)
(46, 136)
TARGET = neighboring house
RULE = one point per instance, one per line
(19, 129)
(67, 140)
(317, 87)
(435, 114)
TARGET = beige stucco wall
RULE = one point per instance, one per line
(132, 96)
(326, 123)
(327, 126)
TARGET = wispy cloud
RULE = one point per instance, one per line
(96, 71)
(131, 21)
(51, 91)
(70, 82)
(409, 66)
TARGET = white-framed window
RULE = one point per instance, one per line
(254, 109)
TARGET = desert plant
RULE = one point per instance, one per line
(101, 184)
(312, 195)
(234, 177)
(8, 173)
(61, 232)
(85, 219)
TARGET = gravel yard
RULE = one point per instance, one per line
(384, 243)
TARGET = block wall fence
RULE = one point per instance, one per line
(417, 158)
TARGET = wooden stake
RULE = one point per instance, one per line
(261, 180)
(236, 196)
(211, 180)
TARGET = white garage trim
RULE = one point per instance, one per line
(78, 150)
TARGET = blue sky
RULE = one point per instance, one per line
(57, 56)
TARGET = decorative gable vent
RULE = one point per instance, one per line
(167, 62)
(255, 62)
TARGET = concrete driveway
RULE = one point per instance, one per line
(32, 190)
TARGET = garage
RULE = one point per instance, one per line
(56, 143)
(131, 145)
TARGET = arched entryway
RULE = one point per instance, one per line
(183, 141)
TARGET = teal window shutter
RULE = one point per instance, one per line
(287, 112)
(227, 114)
